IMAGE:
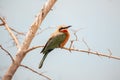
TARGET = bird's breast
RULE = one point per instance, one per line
(67, 35)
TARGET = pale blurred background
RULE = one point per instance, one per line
(98, 22)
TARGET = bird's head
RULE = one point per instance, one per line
(63, 28)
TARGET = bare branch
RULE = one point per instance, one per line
(24, 65)
(10, 32)
(93, 52)
(85, 51)
(28, 39)
(7, 53)
(35, 71)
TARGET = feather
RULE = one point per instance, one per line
(53, 42)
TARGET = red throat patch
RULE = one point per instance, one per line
(64, 30)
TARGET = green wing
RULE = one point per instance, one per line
(53, 42)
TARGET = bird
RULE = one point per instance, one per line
(57, 40)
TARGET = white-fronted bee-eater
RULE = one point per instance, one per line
(57, 40)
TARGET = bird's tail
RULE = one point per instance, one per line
(43, 59)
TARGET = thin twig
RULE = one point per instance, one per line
(86, 45)
(71, 44)
(35, 71)
(10, 32)
(44, 30)
(7, 53)
(76, 38)
(110, 53)
(32, 48)
(20, 33)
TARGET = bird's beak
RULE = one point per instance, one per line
(68, 26)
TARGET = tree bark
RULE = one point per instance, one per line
(27, 41)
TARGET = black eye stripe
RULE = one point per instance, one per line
(61, 29)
